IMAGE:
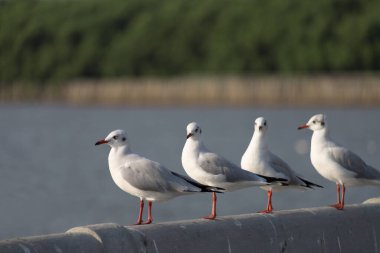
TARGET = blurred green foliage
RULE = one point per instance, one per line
(55, 40)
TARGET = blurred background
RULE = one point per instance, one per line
(72, 71)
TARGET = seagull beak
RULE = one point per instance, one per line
(189, 135)
(302, 127)
(101, 142)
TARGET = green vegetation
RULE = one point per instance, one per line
(56, 40)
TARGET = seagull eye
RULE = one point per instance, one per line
(115, 137)
(314, 121)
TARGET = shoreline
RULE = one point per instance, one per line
(361, 90)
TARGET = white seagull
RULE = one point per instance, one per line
(336, 163)
(259, 159)
(211, 169)
(144, 178)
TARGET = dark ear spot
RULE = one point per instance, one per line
(200, 131)
(123, 139)
(322, 123)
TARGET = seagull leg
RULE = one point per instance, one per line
(149, 213)
(213, 211)
(337, 205)
(269, 205)
(341, 206)
(139, 219)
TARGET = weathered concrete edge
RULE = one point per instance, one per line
(311, 229)
(60, 243)
(98, 238)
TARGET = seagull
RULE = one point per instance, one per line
(144, 178)
(337, 163)
(211, 169)
(259, 159)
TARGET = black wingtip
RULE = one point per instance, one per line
(274, 179)
(310, 184)
(204, 188)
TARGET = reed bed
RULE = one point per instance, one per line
(320, 90)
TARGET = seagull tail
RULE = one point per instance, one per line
(310, 184)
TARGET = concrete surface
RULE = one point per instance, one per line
(324, 229)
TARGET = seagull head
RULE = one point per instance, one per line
(116, 138)
(193, 130)
(261, 125)
(315, 123)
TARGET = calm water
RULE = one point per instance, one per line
(54, 178)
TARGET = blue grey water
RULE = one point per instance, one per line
(53, 177)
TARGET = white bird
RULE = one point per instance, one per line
(211, 169)
(144, 178)
(336, 163)
(259, 159)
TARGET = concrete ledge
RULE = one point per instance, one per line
(60, 243)
(113, 237)
(355, 229)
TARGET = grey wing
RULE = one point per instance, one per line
(353, 163)
(283, 170)
(293, 178)
(148, 175)
(217, 165)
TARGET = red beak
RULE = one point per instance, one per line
(101, 142)
(302, 127)
(189, 135)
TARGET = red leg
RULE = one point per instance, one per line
(149, 213)
(212, 216)
(269, 205)
(139, 219)
(342, 203)
(337, 205)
